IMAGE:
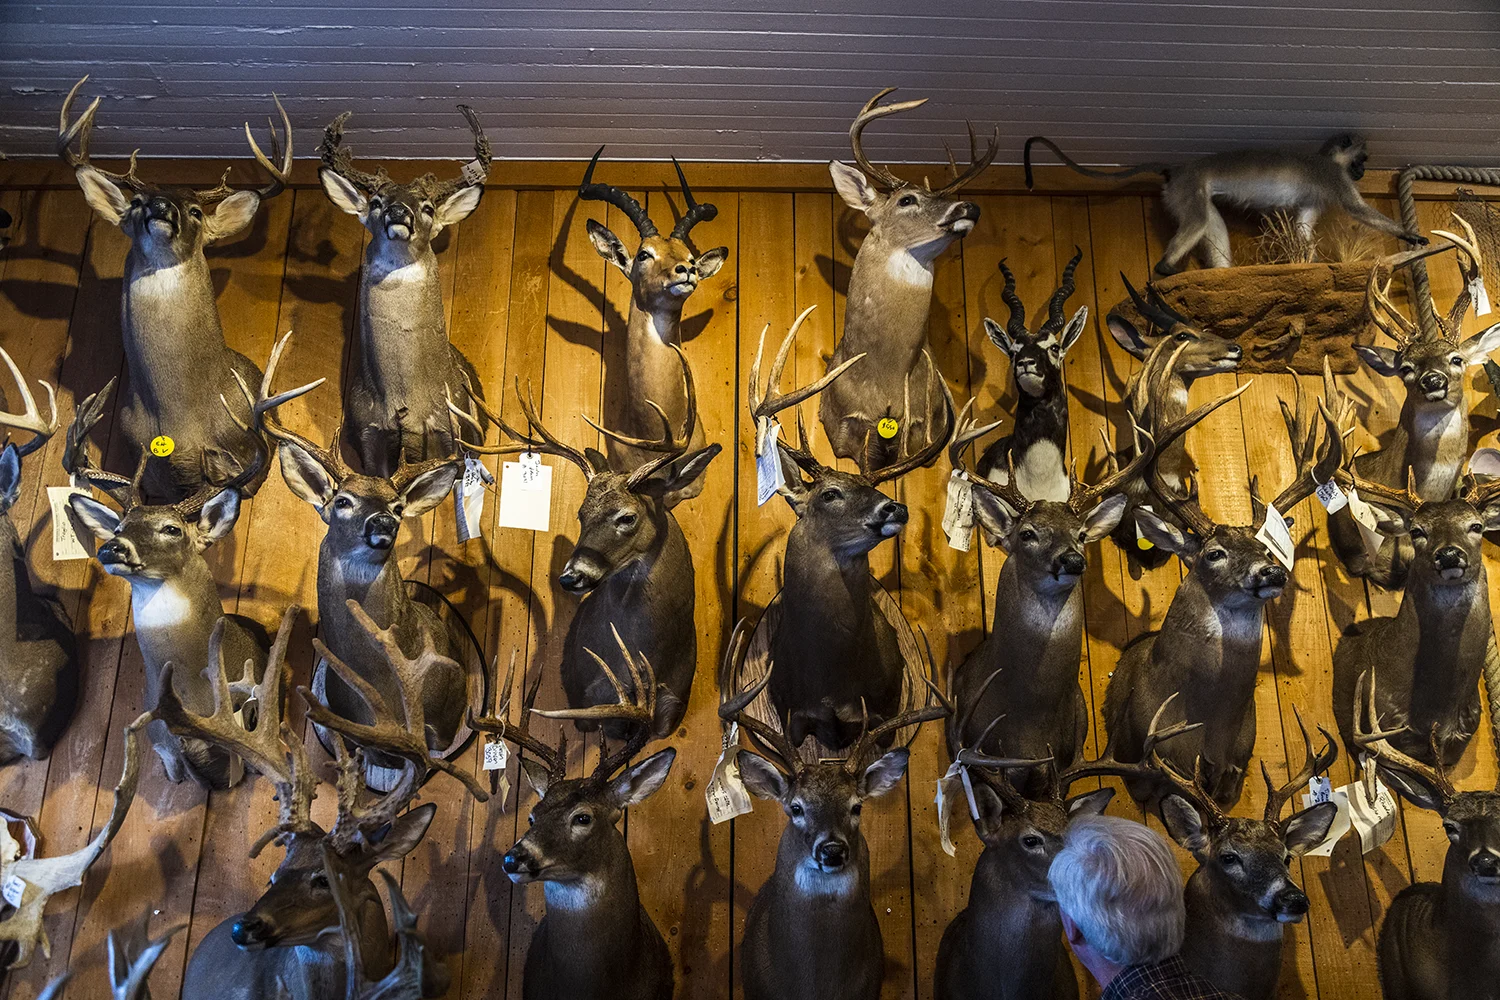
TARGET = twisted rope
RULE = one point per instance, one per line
(1417, 273)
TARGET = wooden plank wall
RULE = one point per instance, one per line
(527, 297)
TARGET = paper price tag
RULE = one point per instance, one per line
(496, 755)
(1331, 497)
(948, 787)
(13, 890)
(1364, 515)
(1479, 296)
(1274, 536)
(468, 499)
(1322, 790)
(65, 541)
(526, 494)
(887, 428)
(1375, 820)
(726, 794)
(769, 476)
(958, 512)
(1318, 790)
(1141, 541)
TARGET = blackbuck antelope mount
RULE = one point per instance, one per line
(358, 579)
(1438, 938)
(1175, 354)
(1011, 910)
(1037, 449)
(890, 294)
(631, 566)
(663, 272)
(811, 932)
(1209, 645)
(38, 651)
(405, 370)
(596, 941)
(1019, 687)
(174, 599)
(842, 662)
(168, 317)
(291, 939)
(1432, 653)
(1431, 439)
(1242, 894)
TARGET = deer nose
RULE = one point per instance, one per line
(681, 269)
(893, 511)
(1433, 382)
(398, 214)
(515, 861)
(1485, 865)
(832, 854)
(1291, 903)
(380, 531)
(160, 208)
(1450, 557)
(248, 930)
(1235, 352)
(112, 552)
(1069, 564)
(1272, 576)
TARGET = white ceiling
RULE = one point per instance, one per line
(1114, 80)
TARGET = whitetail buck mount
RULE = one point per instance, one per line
(1209, 645)
(173, 338)
(1438, 938)
(842, 656)
(292, 937)
(890, 295)
(811, 932)
(631, 566)
(596, 941)
(1037, 449)
(663, 273)
(1174, 354)
(38, 651)
(1431, 438)
(159, 549)
(405, 370)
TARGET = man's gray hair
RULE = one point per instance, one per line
(1118, 881)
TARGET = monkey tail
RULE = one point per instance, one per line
(1144, 168)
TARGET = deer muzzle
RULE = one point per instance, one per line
(960, 218)
(1450, 562)
(252, 932)
(519, 865)
(889, 518)
(1290, 905)
(831, 855)
(1434, 385)
(581, 573)
(117, 558)
(1485, 866)
(398, 222)
(161, 210)
(1270, 581)
(380, 531)
(1068, 565)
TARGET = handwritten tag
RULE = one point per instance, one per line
(162, 446)
(496, 755)
(1141, 541)
(887, 428)
(468, 499)
(1375, 820)
(65, 541)
(526, 493)
(726, 794)
(948, 787)
(13, 890)
(1331, 497)
(1479, 296)
(1274, 536)
(958, 512)
(1364, 515)
(1322, 790)
(769, 476)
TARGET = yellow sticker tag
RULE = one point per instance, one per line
(162, 446)
(887, 428)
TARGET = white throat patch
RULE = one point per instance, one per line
(902, 267)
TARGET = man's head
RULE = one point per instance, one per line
(1119, 890)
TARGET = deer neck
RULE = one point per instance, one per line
(825, 595)
(594, 929)
(890, 294)
(1210, 651)
(13, 572)
(1432, 439)
(1469, 911)
(174, 619)
(402, 322)
(172, 334)
(1215, 909)
(1040, 625)
(799, 881)
(376, 586)
(652, 367)
(1452, 631)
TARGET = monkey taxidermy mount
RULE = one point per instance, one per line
(1304, 185)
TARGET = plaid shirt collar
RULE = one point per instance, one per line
(1169, 980)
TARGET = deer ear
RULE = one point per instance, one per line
(1105, 517)
(710, 262)
(695, 466)
(995, 516)
(999, 337)
(1306, 829)
(763, 778)
(1479, 346)
(537, 775)
(10, 477)
(233, 214)
(1165, 535)
(457, 206)
(609, 246)
(991, 809)
(103, 195)
(1183, 823)
(1090, 803)
(427, 490)
(1127, 336)
(795, 491)
(405, 834)
(344, 194)
(218, 516)
(853, 186)
(99, 519)
(885, 774)
(638, 782)
(305, 475)
(1381, 360)
(1074, 329)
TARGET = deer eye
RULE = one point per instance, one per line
(831, 495)
(856, 809)
(1406, 371)
(625, 521)
(319, 880)
(796, 809)
(1182, 336)
(375, 204)
(1031, 841)
(1417, 532)
(427, 210)
(907, 200)
(582, 819)
(1476, 528)
(1456, 361)
(343, 503)
(1229, 858)
(1215, 555)
(170, 530)
(1027, 535)
(195, 212)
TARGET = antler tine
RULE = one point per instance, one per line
(82, 130)
(1278, 796)
(869, 113)
(1402, 500)
(30, 418)
(933, 448)
(263, 409)
(966, 431)
(977, 162)
(281, 173)
(499, 724)
(1185, 508)
(78, 465)
(550, 444)
(1377, 302)
(1377, 743)
(340, 158)
(733, 706)
(1106, 764)
(1318, 456)
(1192, 789)
(763, 405)
(1055, 315)
(1470, 263)
(590, 191)
(637, 705)
(474, 171)
(670, 446)
(1016, 324)
(869, 738)
(353, 822)
(696, 212)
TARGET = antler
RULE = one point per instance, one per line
(1403, 501)
(405, 978)
(638, 706)
(76, 461)
(1153, 307)
(270, 747)
(1470, 264)
(1383, 312)
(590, 191)
(1055, 315)
(340, 158)
(30, 418)
(1377, 742)
(867, 114)
(474, 172)
(1318, 456)
(524, 443)
(82, 130)
(403, 736)
(1185, 508)
(696, 212)
(1150, 766)
(499, 725)
(767, 403)
(131, 961)
(355, 824)
(934, 445)
(733, 707)
(281, 174)
(1278, 796)
(869, 739)
(977, 161)
(672, 446)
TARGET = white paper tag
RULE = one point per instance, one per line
(1322, 790)
(958, 512)
(726, 794)
(526, 493)
(65, 541)
(1365, 516)
(496, 755)
(1274, 536)
(1331, 497)
(468, 499)
(1318, 790)
(769, 476)
(1141, 541)
(14, 890)
(1479, 296)
(1376, 820)
(948, 787)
